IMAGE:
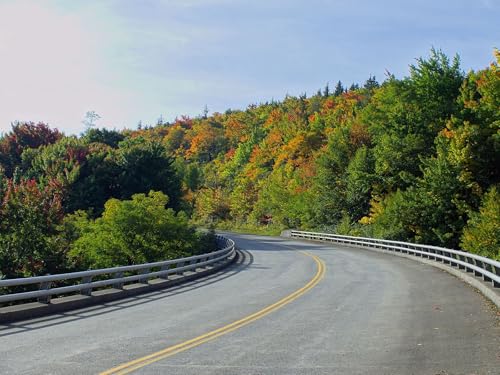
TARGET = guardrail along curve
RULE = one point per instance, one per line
(486, 268)
(143, 274)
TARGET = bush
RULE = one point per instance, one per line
(139, 230)
(482, 233)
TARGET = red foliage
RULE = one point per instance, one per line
(23, 136)
(230, 153)
(47, 201)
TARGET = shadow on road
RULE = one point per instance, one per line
(287, 244)
(244, 261)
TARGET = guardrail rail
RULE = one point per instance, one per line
(486, 268)
(114, 277)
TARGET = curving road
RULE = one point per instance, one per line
(277, 311)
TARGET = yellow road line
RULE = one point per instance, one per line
(136, 364)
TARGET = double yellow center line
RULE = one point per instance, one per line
(136, 364)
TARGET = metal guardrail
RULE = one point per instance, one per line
(487, 268)
(142, 274)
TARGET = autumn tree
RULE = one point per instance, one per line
(26, 135)
(29, 237)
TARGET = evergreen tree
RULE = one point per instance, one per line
(339, 89)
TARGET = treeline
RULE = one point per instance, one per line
(414, 159)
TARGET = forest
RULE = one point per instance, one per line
(414, 159)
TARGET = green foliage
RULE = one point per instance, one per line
(359, 181)
(482, 233)
(330, 182)
(144, 165)
(133, 231)
(432, 211)
(211, 206)
(108, 137)
(59, 161)
(398, 212)
(436, 83)
(29, 219)
(282, 202)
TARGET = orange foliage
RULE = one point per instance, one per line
(328, 104)
(274, 116)
(254, 156)
(202, 142)
(229, 155)
(235, 131)
(447, 133)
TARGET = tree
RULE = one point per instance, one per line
(354, 87)
(140, 230)
(326, 91)
(207, 141)
(359, 182)
(330, 181)
(29, 219)
(339, 89)
(143, 166)
(59, 161)
(436, 84)
(109, 137)
(174, 140)
(212, 205)
(90, 119)
(472, 134)
(371, 83)
(23, 136)
(482, 233)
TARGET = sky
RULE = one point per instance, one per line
(139, 60)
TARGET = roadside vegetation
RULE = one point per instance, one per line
(414, 158)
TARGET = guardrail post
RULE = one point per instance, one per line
(462, 258)
(479, 264)
(178, 265)
(496, 271)
(454, 256)
(44, 286)
(164, 268)
(194, 261)
(410, 250)
(468, 260)
(87, 291)
(489, 268)
(119, 284)
(144, 272)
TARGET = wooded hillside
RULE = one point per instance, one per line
(414, 158)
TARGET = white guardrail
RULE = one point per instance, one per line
(487, 268)
(114, 277)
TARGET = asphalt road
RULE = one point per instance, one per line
(275, 312)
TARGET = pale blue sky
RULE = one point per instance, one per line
(132, 60)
